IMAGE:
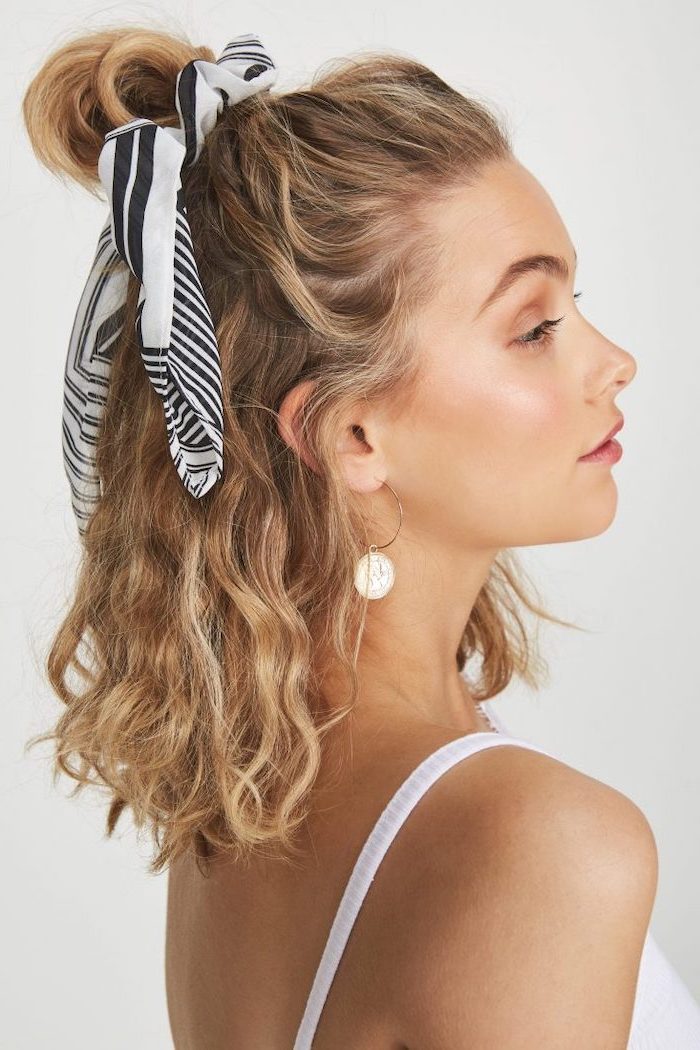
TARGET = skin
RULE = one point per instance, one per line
(475, 927)
(486, 454)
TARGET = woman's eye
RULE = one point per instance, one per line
(542, 334)
(539, 336)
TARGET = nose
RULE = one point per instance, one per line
(616, 368)
(624, 367)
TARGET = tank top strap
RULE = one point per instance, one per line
(375, 847)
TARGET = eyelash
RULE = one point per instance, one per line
(545, 328)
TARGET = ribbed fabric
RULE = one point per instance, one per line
(665, 1017)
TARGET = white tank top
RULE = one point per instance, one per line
(665, 1015)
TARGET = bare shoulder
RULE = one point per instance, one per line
(531, 887)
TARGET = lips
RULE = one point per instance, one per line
(610, 434)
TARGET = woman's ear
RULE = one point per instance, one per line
(363, 465)
(288, 420)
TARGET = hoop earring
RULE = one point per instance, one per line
(374, 573)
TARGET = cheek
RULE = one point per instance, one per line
(506, 423)
(485, 452)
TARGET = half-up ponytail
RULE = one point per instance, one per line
(187, 662)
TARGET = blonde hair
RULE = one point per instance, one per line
(194, 623)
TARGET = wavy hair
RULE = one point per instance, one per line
(186, 658)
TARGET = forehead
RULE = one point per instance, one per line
(505, 215)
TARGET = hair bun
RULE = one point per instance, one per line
(96, 82)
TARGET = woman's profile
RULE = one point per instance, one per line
(327, 373)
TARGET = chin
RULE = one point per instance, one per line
(596, 515)
(582, 519)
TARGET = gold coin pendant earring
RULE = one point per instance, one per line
(374, 572)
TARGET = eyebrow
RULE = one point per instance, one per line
(554, 265)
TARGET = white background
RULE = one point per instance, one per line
(603, 102)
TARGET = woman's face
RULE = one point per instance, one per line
(486, 453)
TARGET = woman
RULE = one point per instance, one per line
(327, 372)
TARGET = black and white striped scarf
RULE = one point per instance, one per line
(147, 233)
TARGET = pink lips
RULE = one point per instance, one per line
(608, 451)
